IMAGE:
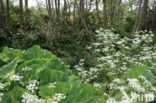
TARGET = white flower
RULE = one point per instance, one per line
(135, 97)
(58, 97)
(149, 97)
(117, 80)
(26, 69)
(96, 85)
(1, 94)
(32, 86)
(134, 83)
(111, 100)
(16, 78)
(52, 85)
(1, 85)
(9, 74)
(28, 98)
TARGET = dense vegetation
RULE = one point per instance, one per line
(78, 51)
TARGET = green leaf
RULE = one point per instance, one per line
(49, 76)
(13, 96)
(9, 54)
(140, 70)
(36, 52)
(9, 67)
(47, 92)
(80, 93)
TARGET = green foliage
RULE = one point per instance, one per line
(51, 75)
(140, 70)
(9, 67)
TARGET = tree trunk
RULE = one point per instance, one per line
(104, 14)
(138, 18)
(50, 17)
(97, 12)
(8, 9)
(26, 11)
(143, 21)
(2, 13)
(21, 13)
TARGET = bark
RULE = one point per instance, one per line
(26, 11)
(141, 16)
(104, 14)
(58, 11)
(8, 9)
(81, 12)
(2, 13)
(138, 17)
(97, 12)
(21, 13)
(50, 17)
(65, 11)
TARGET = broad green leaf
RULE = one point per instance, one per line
(9, 67)
(13, 96)
(36, 52)
(140, 70)
(47, 92)
(80, 93)
(9, 54)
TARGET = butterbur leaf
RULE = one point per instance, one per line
(13, 96)
(9, 54)
(48, 76)
(9, 67)
(36, 52)
(80, 93)
(140, 70)
(47, 91)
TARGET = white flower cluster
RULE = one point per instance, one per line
(1, 85)
(58, 97)
(117, 80)
(1, 94)
(32, 86)
(29, 98)
(26, 69)
(9, 74)
(97, 85)
(85, 75)
(134, 83)
(16, 78)
(52, 85)
(116, 55)
(134, 98)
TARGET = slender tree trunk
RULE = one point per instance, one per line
(143, 22)
(138, 17)
(8, 9)
(74, 17)
(21, 13)
(58, 11)
(50, 17)
(97, 12)
(104, 14)
(111, 12)
(81, 13)
(65, 11)
(26, 11)
(2, 13)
